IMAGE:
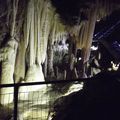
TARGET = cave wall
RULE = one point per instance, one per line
(23, 52)
(28, 28)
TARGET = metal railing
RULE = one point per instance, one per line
(30, 102)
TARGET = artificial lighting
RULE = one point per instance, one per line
(79, 58)
(98, 20)
(94, 48)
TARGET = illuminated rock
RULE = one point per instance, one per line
(8, 62)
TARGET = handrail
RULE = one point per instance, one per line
(17, 85)
(44, 82)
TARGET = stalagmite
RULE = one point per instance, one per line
(8, 57)
(34, 74)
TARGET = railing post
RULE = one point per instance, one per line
(16, 87)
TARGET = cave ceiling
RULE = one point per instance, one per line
(71, 12)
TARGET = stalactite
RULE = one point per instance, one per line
(32, 41)
(14, 13)
(52, 38)
(90, 30)
(56, 32)
(32, 37)
(32, 33)
(38, 50)
(45, 33)
(9, 11)
(37, 29)
(80, 42)
(54, 24)
(20, 65)
(50, 71)
(99, 10)
(20, 62)
(88, 38)
(104, 8)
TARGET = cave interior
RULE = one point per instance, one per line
(56, 40)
